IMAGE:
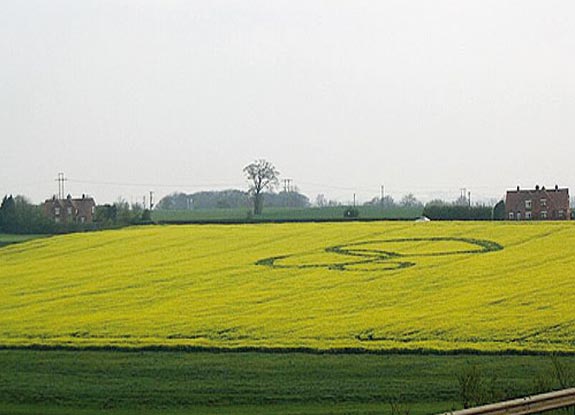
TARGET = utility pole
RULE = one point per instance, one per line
(144, 202)
(287, 185)
(469, 198)
(463, 195)
(381, 200)
(61, 179)
(354, 200)
(151, 199)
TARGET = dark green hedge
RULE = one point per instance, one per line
(449, 212)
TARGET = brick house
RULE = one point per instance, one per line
(70, 210)
(537, 204)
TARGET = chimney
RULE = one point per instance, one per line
(537, 187)
(517, 188)
(556, 187)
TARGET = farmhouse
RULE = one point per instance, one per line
(70, 210)
(537, 204)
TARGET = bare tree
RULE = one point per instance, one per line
(262, 175)
(409, 200)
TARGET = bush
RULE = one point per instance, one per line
(499, 211)
(558, 376)
(19, 216)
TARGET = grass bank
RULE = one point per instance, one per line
(126, 383)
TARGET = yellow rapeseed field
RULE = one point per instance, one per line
(375, 286)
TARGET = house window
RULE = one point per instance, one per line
(528, 204)
(543, 214)
(56, 211)
(511, 215)
(543, 202)
(561, 214)
(69, 210)
(93, 210)
(518, 215)
(82, 219)
(57, 220)
(527, 215)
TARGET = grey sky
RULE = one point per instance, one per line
(423, 96)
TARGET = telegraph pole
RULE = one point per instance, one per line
(381, 200)
(287, 185)
(463, 195)
(61, 179)
(151, 199)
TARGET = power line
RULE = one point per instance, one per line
(287, 182)
(104, 183)
(330, 186)
(287, 185)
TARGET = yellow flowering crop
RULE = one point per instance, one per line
(375, 286)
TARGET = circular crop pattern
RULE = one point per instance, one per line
(396, 253)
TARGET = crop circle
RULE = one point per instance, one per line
(357, 256)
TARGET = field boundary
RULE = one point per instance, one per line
(287, 350)
(258, 221)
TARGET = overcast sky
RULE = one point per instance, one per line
(421, 96)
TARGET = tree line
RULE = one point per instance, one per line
(230, 199)
(263, 179)
(19, 216)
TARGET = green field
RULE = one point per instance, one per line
(8, 238)
(122, 383)
(279, 214)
